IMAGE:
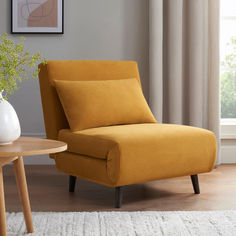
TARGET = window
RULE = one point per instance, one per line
(228, 62)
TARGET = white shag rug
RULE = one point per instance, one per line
(147, 223)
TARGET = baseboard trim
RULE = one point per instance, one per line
(38, 160)
(228, 154)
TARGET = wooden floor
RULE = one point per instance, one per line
(48, 191)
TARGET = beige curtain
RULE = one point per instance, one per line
(184, 62)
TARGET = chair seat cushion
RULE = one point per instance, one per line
(149, 148)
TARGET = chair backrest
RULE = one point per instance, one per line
(54, 116)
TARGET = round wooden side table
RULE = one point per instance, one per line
(24, 146)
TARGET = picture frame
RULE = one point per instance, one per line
(37, 16)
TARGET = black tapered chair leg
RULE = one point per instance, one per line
(118, 197)
(72, 181)
(195, 183)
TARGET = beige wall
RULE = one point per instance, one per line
(94, 29)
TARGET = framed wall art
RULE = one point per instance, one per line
(37, 16)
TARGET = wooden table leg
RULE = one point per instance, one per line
(23, 192)
(3, 225)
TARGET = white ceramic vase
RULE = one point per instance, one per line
(9, 123)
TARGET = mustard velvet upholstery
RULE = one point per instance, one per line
(144, 152)
(75, 70)
(89, 104)
(82, 166)
(124, 154)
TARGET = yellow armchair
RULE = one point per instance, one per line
(120, 155)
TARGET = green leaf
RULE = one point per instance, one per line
(16, 64)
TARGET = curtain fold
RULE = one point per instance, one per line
(184, 62)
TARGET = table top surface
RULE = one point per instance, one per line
(28, 146)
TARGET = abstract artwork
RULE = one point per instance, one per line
(37, 16)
